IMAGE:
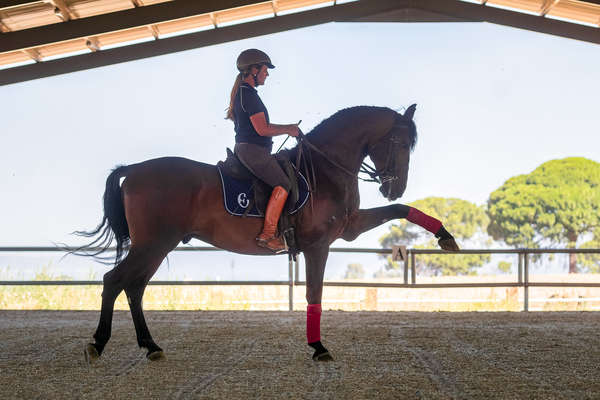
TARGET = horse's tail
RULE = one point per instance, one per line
(113, 224)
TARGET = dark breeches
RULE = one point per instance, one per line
(262, 164)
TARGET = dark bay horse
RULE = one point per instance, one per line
(161, 201)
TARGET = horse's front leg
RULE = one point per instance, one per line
(364, 220)
(316, 258)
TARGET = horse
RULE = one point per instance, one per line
(162, 201)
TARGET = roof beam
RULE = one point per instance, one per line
(33, 54)
(3, 27)
(17, 3)
(547, 6)
(465, 10)
(342, 12)
(64, 9)
(347, 12)
(115, 21)
(147, 15)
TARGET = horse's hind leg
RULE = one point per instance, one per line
(132, 274)
(112, 287)
(135, 293)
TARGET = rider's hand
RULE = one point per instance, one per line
(294, 131)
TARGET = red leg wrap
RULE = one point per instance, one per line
(313, 323)
(417, 217)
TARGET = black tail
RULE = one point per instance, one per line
(113, 225)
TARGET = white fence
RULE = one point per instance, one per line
(399, 253)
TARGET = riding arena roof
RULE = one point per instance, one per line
(49, 37)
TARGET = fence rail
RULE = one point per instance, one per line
(399, 252)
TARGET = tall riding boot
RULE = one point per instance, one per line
(267, 238)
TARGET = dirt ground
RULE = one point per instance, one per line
(247, 355)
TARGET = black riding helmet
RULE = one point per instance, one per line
(250, 57)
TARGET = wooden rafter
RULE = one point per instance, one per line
(154, 30)
(3, 26)
(362, 10)
(137, 3)
(116, 21)
(33, 54)
(92, 44)
(213, 18)
(64, 9)
(547, 6)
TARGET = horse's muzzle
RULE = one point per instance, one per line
(391, 190)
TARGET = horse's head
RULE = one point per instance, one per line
(391, 154)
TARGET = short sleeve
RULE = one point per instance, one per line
(250, 102)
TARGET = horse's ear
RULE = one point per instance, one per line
(410, 112)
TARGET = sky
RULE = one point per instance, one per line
(492, 102)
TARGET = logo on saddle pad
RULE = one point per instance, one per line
(243, 200)
(238, 196)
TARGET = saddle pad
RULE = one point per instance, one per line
(238, 195)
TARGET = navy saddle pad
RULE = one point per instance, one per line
(238, 195)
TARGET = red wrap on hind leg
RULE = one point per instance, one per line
(313, 323)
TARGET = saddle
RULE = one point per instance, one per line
(247, 196)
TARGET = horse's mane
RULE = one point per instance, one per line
(323, 129)
(327, 123)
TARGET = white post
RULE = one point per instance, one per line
(526, 284)
(291, 281)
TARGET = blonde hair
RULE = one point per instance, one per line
(236, 86)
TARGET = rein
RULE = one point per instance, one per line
(377, 176)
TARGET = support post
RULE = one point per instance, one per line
(406, 270)
(291, 281)
(413, 269)
(526, 284)
(520, 269)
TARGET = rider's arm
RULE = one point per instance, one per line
(263, 128)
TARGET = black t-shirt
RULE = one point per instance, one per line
(246, 104)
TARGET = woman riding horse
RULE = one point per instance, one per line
(253, 143)
(149, 207)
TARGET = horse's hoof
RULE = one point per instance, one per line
(156, 355)
(91, 353)
(322, 357)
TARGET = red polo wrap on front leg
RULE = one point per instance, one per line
(313, 323)
(417, 217)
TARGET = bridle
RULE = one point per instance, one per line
(382, 176)
(387, 173)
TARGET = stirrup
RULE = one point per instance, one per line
(273, 243)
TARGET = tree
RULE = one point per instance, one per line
(504, 266)
(591, 262)
(355, 271)
(465, 220)
(559, 203)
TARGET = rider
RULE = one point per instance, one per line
(253, 143)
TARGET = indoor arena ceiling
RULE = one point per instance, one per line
(50, 37)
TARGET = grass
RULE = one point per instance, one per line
(242, 297)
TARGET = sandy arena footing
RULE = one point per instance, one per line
(243, 355)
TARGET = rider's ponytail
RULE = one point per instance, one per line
(234, 90)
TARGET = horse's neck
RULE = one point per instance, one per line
(347, 147)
